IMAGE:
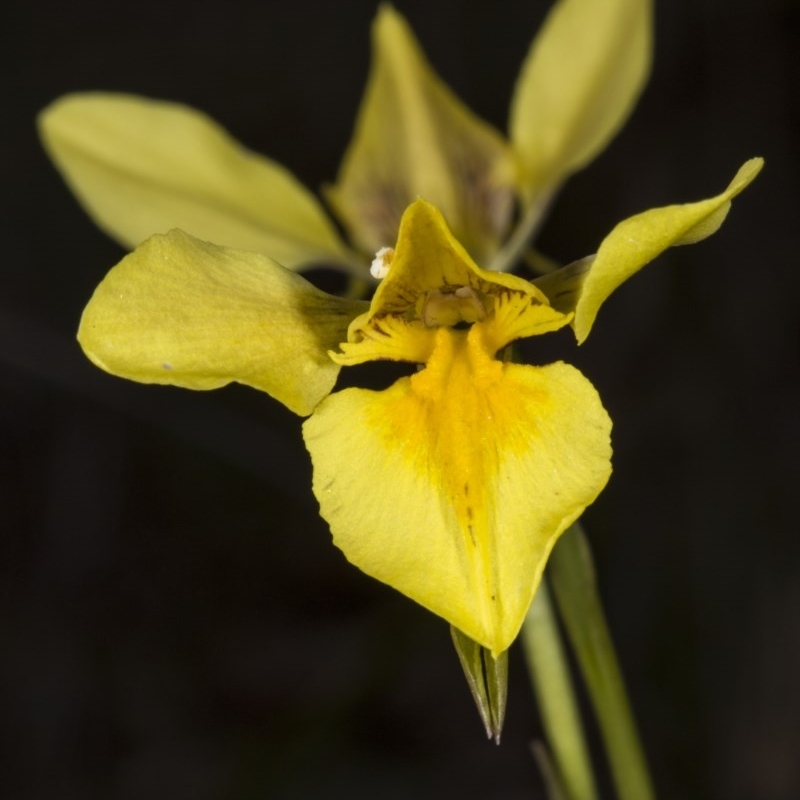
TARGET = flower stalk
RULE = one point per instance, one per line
(575, 589)
(544, 652)
(512, 251)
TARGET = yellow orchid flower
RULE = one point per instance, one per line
(453, 484)
(142, 166)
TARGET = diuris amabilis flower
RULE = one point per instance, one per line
(453, 484)
(142, 166)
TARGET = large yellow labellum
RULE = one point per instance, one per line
(454, 484)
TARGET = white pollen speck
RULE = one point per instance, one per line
(166, 366)
(379, 268)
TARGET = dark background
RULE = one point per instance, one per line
(175, 622)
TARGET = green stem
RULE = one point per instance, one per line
(574, 586)
(523, 233)
(550, 675)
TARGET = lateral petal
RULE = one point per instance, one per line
(453, 485)
(577, 86)
(414, 138)
(142, 166)
(639, 239)
(184, 312)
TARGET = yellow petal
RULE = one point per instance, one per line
(389, 338)
(432, 281)
(453, 485)
(577, 86)
(184, 312)
(414, 138)
(143, 166)
(639, 239)
(428, 256)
